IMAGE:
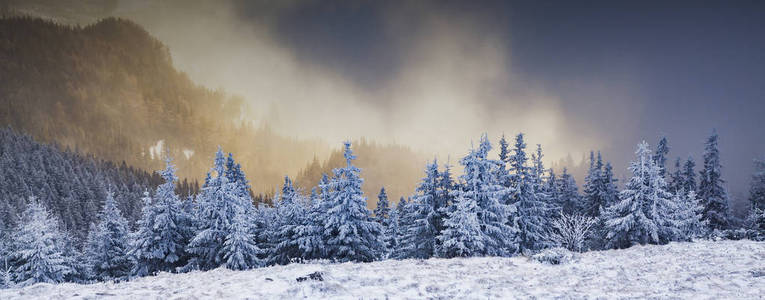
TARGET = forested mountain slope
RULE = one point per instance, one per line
(110, 89)
(71, 186)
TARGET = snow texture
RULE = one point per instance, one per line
(700, 270)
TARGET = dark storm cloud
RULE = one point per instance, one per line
(575, 75)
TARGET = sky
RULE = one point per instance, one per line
(434, 75)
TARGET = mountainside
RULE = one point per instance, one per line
(71, 186)
(111, 89)
(714, 270)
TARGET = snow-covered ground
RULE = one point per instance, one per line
(701, 270)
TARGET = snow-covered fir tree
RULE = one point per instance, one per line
(481, 185)
(444, 193)
(660, 156)
(310, 234)
(689, 175)
(108, 244)
(711, 191)
(644, 212)
(676, 179)
(530, 212)
(38, 254)
(418, 233)
(757, 186)
(290, 218)
(568, 194)
(240, 250)
(217, 219)
(610, 191)
(382, 209)
(689, 215)
(462, 235)
(350, 232)
(163, 230)
(593, 187)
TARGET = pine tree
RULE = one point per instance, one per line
(221, 214)
(349, 230)
(240, 251)
(594, 187)
(660, 157)
(38, 253)
(757, 187)
(644, 211)
(481, 185)
(676, 179)
(462, 236)
(163, 230)
(689, 175)
(290, 217)
(530, 212)
(689, 215)
(711, 191)
(108, 244)
(568, 194)
(609, 192)
(419, 230)
(382, 210)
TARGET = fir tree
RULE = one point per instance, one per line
(419, 229)
(689, 175)
(689, 215)
(644, 211)
(660, 156)
(349, 231)
(38, 253)
(290, 217)
(163, 230)
(568, 193)
(240, 251)
(530, 212)
(462, 236)
(594, 187)
(221, 213)
(382, 210)
(711, 191)
(481, 185)
(676, 179)
(757, 187)
(108, 244)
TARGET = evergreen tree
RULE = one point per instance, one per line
(644, 211)
(290, 217)
(462, 236)
(240, 251)
(38, 253)
(349, 230)
(531, 212)
(757, 187)
(660, 157)
(609, 192)
(444, 191)
(568, 194)
(676, 179)
(689, 215)
(163, 231)
(594, 187)
(689, 175)
(711, 191)
(221, 213)
(481, 185)
(419, 230)
(108, 244)
(382, 210)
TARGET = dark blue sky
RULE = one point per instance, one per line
(637, 70)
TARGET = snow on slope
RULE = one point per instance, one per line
(701, 270)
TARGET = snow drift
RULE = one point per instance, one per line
(705, 269)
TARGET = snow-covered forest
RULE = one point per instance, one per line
(87, 221)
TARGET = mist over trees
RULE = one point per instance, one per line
(110, 89)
